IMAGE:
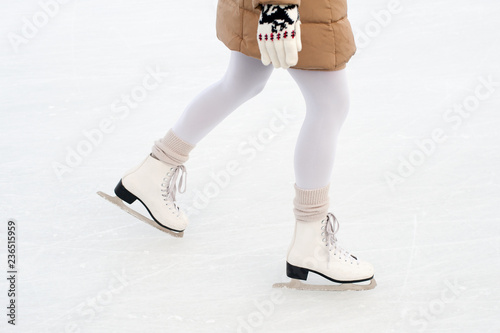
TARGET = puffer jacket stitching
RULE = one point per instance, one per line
(334, 39)
(242, 28)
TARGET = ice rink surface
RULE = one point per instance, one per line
(415, 184)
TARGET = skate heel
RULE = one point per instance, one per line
(295, 272)
(122, 193)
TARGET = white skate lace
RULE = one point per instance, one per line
(332, 227)
(170, 184)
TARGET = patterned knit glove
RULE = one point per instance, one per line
(278, 35)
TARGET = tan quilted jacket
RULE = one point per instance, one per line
(327, 38)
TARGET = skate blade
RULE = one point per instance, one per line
(297, 284)
(117, 201)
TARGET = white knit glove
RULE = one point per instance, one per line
(278, 35)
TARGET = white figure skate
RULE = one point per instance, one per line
(314, 249)
(154, 184)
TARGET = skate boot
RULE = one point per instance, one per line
(154, 184)
(314, 249)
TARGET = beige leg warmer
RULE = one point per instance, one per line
(171, 149)
(311, 205)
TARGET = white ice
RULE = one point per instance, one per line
(433, 237)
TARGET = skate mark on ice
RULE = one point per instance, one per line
(412, 254)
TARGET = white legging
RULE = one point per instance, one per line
(327, 103)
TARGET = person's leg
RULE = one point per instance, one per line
(245, 78)
(314, 245)
(327, 103)
(154, 181)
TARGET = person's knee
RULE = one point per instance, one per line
(333, 103)
(257, 88)
(245, 88)
(328, 112)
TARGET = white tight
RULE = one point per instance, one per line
(245, 78)
(327, 104)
